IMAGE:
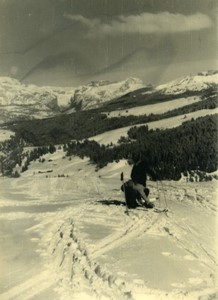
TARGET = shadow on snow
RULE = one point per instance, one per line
(111, 202)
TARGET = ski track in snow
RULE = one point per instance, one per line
(73, 260)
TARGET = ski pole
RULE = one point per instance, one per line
(164, 194)
(124, 190)
(158, 192)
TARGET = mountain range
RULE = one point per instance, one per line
(19, 101)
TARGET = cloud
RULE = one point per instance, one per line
(89, 23)
(145, 23)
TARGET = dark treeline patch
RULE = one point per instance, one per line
(12, 154)
(191, 146)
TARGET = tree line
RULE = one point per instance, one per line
(13, 153)
(191, 146)
(170, 152)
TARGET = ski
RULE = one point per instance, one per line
(159, 210)
(162, 210)
(155, 209)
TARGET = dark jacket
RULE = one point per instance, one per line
(139, 173)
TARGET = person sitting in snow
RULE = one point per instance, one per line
(133, 196)
(136, 192)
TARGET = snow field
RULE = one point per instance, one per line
(159, 108)
(92, 256)
(90, 249)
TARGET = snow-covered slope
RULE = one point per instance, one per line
(196, 83)
(96, 93)
(78, 243)
(157, 108)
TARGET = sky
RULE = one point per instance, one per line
(72, 42)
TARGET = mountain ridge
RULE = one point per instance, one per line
(19, 101)
(97, 93)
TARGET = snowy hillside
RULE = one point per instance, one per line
(158, 108)
(96, 93)
(113, 136)
(78, 243)
(199, 82)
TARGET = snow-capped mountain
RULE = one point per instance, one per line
(200, 82)
(19, 101)
(96, 93)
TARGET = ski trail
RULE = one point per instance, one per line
(76, 269)
(74, 262)
(191, 247)
(208, 254)
(188, 234)
(29, 288)
(137, 226)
